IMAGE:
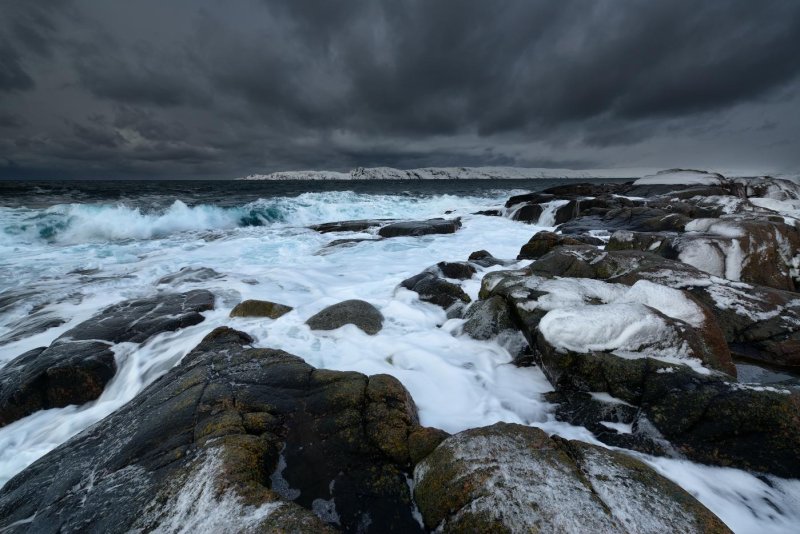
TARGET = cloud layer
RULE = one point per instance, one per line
(105, 88)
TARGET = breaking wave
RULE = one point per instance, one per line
(82, 223)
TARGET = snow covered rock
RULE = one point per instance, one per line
(750, 250)
(596, 323)
(514, 478)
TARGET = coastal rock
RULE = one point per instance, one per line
(138, 320)
(418, 228)
(488, 318)
(514, 478)
(431, 288)
(483, 258)
(637, 342)
(543, 242)
(348, 226)
(190, 275)
(260, 308)
(356, 312)
(236, 439)
(756, 251)
(458, 270)
(75, 368)
(33, 324)
(62, 374)
(758, 323)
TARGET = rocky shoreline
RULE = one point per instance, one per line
(641, 309)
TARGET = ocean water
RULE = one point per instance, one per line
(69, 249)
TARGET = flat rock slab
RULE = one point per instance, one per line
(356, 312)
(237, 439)
(514, 478)
(418, 228)
(63, 374)
(260, 308)
(348, 226)
(138, 320)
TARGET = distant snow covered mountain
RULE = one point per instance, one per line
(452, 173)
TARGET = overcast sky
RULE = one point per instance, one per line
(221, 89)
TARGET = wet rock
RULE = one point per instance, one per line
(260, 308)
(13, 297)
(343, 243)
(140, 319)
(235, 439)
(418, 228)
(758, 323)
(348, 226)
(529, 213)
(54, 377)
(543, 242)
(514, 478)
(488, 318)
(485, 259)
(757, 251)
(612, 421)
(435, 290)
(33, 324)
(493, 319)
(706, 416)
(190, 275)
(489, 213)
(458, 270)
(356, 312)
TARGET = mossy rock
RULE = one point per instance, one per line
(260, 308)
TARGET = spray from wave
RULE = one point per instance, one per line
(87, 223)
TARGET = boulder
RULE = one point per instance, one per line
(234, 439)
(356, 312)
(431, 288)
(418, 228)
(260, 308)
(514, 478)
(64, 373)
(458, 270)
(138, 320)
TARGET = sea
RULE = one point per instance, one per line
(69, 249)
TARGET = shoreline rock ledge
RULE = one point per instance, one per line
(243, 439)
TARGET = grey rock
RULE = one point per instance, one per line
(418, 228)
(237, 429)
(54, 377)
(357, 312)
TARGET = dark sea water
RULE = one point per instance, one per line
(152, 193)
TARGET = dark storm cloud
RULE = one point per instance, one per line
(206, 88)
